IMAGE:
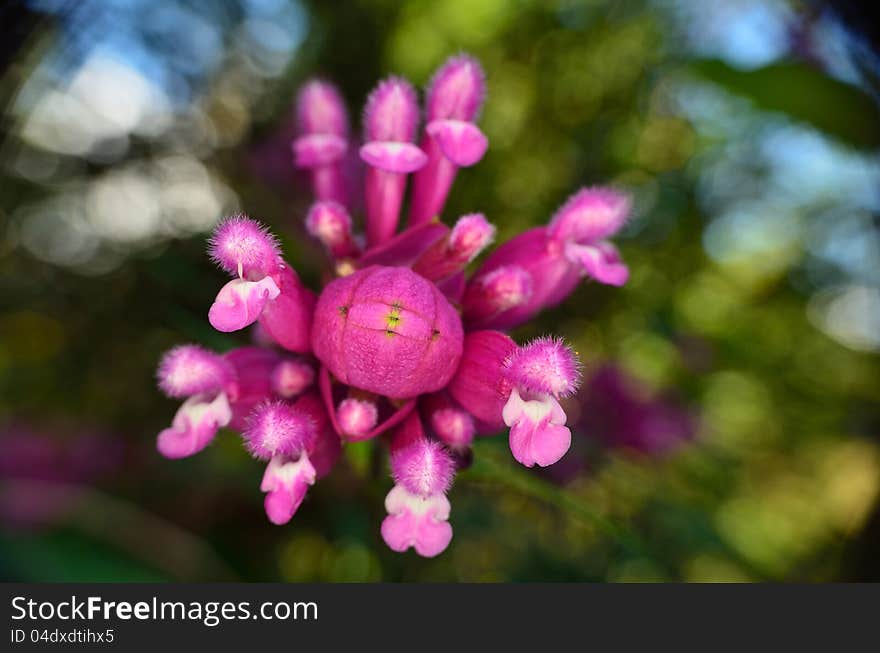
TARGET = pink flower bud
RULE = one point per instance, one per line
(457, 90)
(451, 140)
(357, 417)
(544, 366)
(323, 140)
(189, 370)
(479, 385)
(589, 215)
(392, 112)
(244, 248)
(330, 223)
(388, 331)
(470, 236)
(454, 427)
(390, 120)
(291, 377)
(320, 109)
(494, 293)
(276, 428)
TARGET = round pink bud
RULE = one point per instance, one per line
(471, 234)
(244, 247)
(357, 416)
(392, 112)
(545, 366)
(292, 377)
(278, 428)
(590, 214)
(389, 331)
(424, 467)
(320, 109)
(189, 370)
(457, 90)
(455, 427)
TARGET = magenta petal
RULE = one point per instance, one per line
(239, 303)
(394, 156)
(286, 484)
(397, 531)
(417, 522)
(601, 261)
(542, 443)
(194, 426)
(537, 429)
(461, 142)
(315, 150)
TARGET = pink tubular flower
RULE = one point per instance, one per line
(452, 140)
(417, 506)
(265, 289)
(207, 380)
(402, 341)
(556, 257)
(390, 121)
(323, 141)
(541, 372)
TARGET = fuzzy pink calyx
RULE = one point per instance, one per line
(244, 248)
(277, 428)
(544, 366)
(188, 370)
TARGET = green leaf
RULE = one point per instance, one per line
(805, 94)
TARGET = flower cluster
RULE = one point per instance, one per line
(401, 344)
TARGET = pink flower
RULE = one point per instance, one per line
(556, 258)
(401, 341)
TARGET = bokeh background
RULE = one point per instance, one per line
(729, 426)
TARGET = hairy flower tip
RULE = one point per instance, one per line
(545, 366)
(455, 427)
(277, 428)
(424, 467)
(189, 370)
(320, 109)
(590, 214)
(357, 416)
(457, 90)
(392, 112)
(291, 378)
(244, 247)
(471, 234)
(330, 223)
